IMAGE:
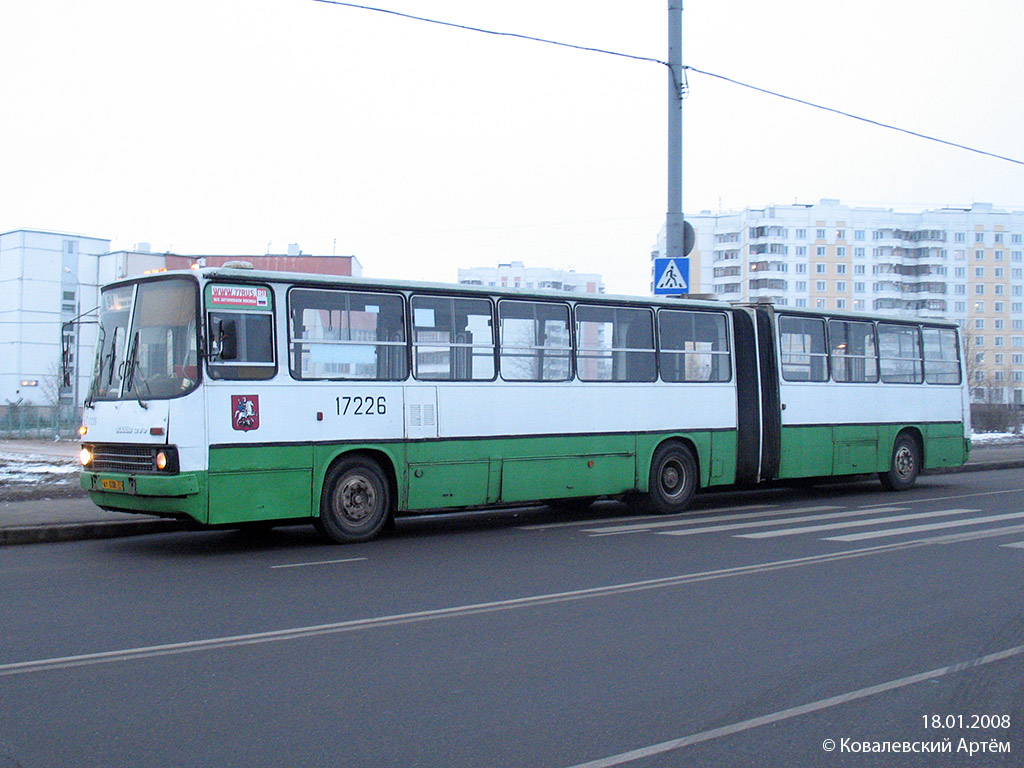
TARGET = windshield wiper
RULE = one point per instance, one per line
(131, 366)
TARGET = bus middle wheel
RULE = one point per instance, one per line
(673, 480)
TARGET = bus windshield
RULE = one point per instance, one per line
(148, 342)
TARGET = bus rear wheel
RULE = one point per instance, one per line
(673, 480)
(905, 465)
(356, 501)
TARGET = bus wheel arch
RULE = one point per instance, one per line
(674, 478)
(358, 497)
(905, 462)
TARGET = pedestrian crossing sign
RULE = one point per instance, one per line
(671, 276)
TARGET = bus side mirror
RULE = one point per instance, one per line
(227, 339)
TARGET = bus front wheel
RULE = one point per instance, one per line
(905, 465)
(673, 480)
(356, 501)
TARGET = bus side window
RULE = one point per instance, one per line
(534, 341)
(252, 336)
(614, 343)
(853, 352)
(941, 356)
(342, 335)
(899, 349)
(802, 348)
(694, 346)
(453, 338)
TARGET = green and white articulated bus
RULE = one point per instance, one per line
(231, 396)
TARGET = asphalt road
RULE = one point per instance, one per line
(755, 631)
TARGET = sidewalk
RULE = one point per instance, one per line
(61, 510)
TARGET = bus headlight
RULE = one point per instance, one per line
(85, 456)
(161, 460)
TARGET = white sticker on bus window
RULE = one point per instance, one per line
(423, 317)
(371, 309)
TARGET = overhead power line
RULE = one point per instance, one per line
(491, 31)
(855, 117)
(652, 60)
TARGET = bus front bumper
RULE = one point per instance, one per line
(179, 495)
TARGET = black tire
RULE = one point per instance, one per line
(356, 501)
(904, 466)
(673, 480)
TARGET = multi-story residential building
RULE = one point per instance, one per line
(50, 279)
(964, 264)
(516, 275)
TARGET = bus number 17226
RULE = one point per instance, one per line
(361, 406)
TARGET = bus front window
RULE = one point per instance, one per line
(148, 341)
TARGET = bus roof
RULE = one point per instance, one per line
(244, 275)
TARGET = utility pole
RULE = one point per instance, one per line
(674, 235)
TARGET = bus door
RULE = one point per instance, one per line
(759, 414)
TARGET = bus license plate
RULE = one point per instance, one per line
(111, 485)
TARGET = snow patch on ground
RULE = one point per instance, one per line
(28, 470)
(995, 438)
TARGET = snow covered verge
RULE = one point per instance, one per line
(28, 476)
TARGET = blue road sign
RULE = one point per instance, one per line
(671, 276)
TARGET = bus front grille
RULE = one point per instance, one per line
(122, 458)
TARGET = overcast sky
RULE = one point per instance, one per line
(238, 126)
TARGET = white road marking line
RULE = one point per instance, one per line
(958, 497)
(989, 533)
(854, 523)
(319, 562)
(777, 521)
(1015, 545)
(355, 625)
(632, 519)
(919, 528)
(804, 709)
(771, 517)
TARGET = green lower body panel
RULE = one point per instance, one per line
(265, 483)
(260, 483)
(851, 449)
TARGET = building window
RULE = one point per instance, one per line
(821, 234)
(820, 269)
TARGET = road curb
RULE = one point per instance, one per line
(48, 534)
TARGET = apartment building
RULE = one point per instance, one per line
(516, 275)
(964, 264)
